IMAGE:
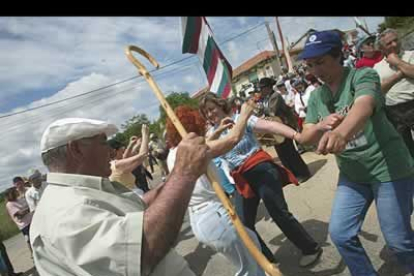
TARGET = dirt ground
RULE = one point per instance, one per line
(310, 203)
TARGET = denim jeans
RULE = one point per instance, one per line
(5, 265)
(394, 204)
(212, 226)
(265, 182)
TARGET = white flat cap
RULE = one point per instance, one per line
(62, 131)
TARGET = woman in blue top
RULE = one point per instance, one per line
(258, 177)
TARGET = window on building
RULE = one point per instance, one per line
(253, 77)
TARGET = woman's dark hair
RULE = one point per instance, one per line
(337, 52)
(10, 194)
(211, 97)
(17, 179)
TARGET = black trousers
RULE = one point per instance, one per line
(291, 158)
(141, 175)
(402, 117)
(264, 180)
(6, 259)
(249, 220)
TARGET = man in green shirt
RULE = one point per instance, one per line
(346, 117)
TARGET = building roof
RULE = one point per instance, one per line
(250, 63)
(199, 93)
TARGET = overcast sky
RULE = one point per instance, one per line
(45, 59)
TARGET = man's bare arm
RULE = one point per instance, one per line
(164, 215)
(312, 133)
(225, 144)
(406, 68)
(335, 141)
(389, 82)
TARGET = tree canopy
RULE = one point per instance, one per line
(402, 24)
(176, 99)
(133, 125)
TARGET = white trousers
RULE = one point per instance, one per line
(212, 226)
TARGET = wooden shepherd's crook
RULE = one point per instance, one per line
(256, 253)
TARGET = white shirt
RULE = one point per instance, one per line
(33, 196)
(288, 86)
(86, 225)
(203, 192)
(289, 97)
(350, 61)
(299, 106)
(402, 91)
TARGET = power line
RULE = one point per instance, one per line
(243, 33)
(123, 81)
(16, 125)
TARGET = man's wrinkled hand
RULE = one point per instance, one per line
(331, 142)
(393, 59)
(331, 122)
(192, 157)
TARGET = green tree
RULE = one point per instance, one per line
(121, 137)
(176, 99)
(133, 126)
(400, 23)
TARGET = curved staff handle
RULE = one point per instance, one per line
(212, 177)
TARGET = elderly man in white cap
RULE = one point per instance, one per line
(34, 193)
(87, 225)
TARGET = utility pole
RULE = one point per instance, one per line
(277, 69)
(284, 46)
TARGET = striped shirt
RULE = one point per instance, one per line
(245, 147)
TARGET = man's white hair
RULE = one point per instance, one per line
(378, 41)
(55, 158)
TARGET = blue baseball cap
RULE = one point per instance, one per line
(319, 43)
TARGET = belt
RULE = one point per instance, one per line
(198, 207)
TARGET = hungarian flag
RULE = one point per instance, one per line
(198, 39)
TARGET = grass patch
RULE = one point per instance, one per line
(8, 228)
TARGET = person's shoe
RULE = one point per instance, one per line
(307, 260)
(16, 274)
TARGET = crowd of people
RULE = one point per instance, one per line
(94, 213)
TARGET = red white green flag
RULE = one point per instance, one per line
(198, 39)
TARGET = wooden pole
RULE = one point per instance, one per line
(288, 58)
(359, 25)
(274, 44)
(268, 267)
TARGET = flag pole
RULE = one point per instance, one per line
(359, 25)
(268, 267)
(288, 59)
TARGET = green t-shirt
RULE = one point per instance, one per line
(375, 154)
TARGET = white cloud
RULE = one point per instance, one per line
(51, 58)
